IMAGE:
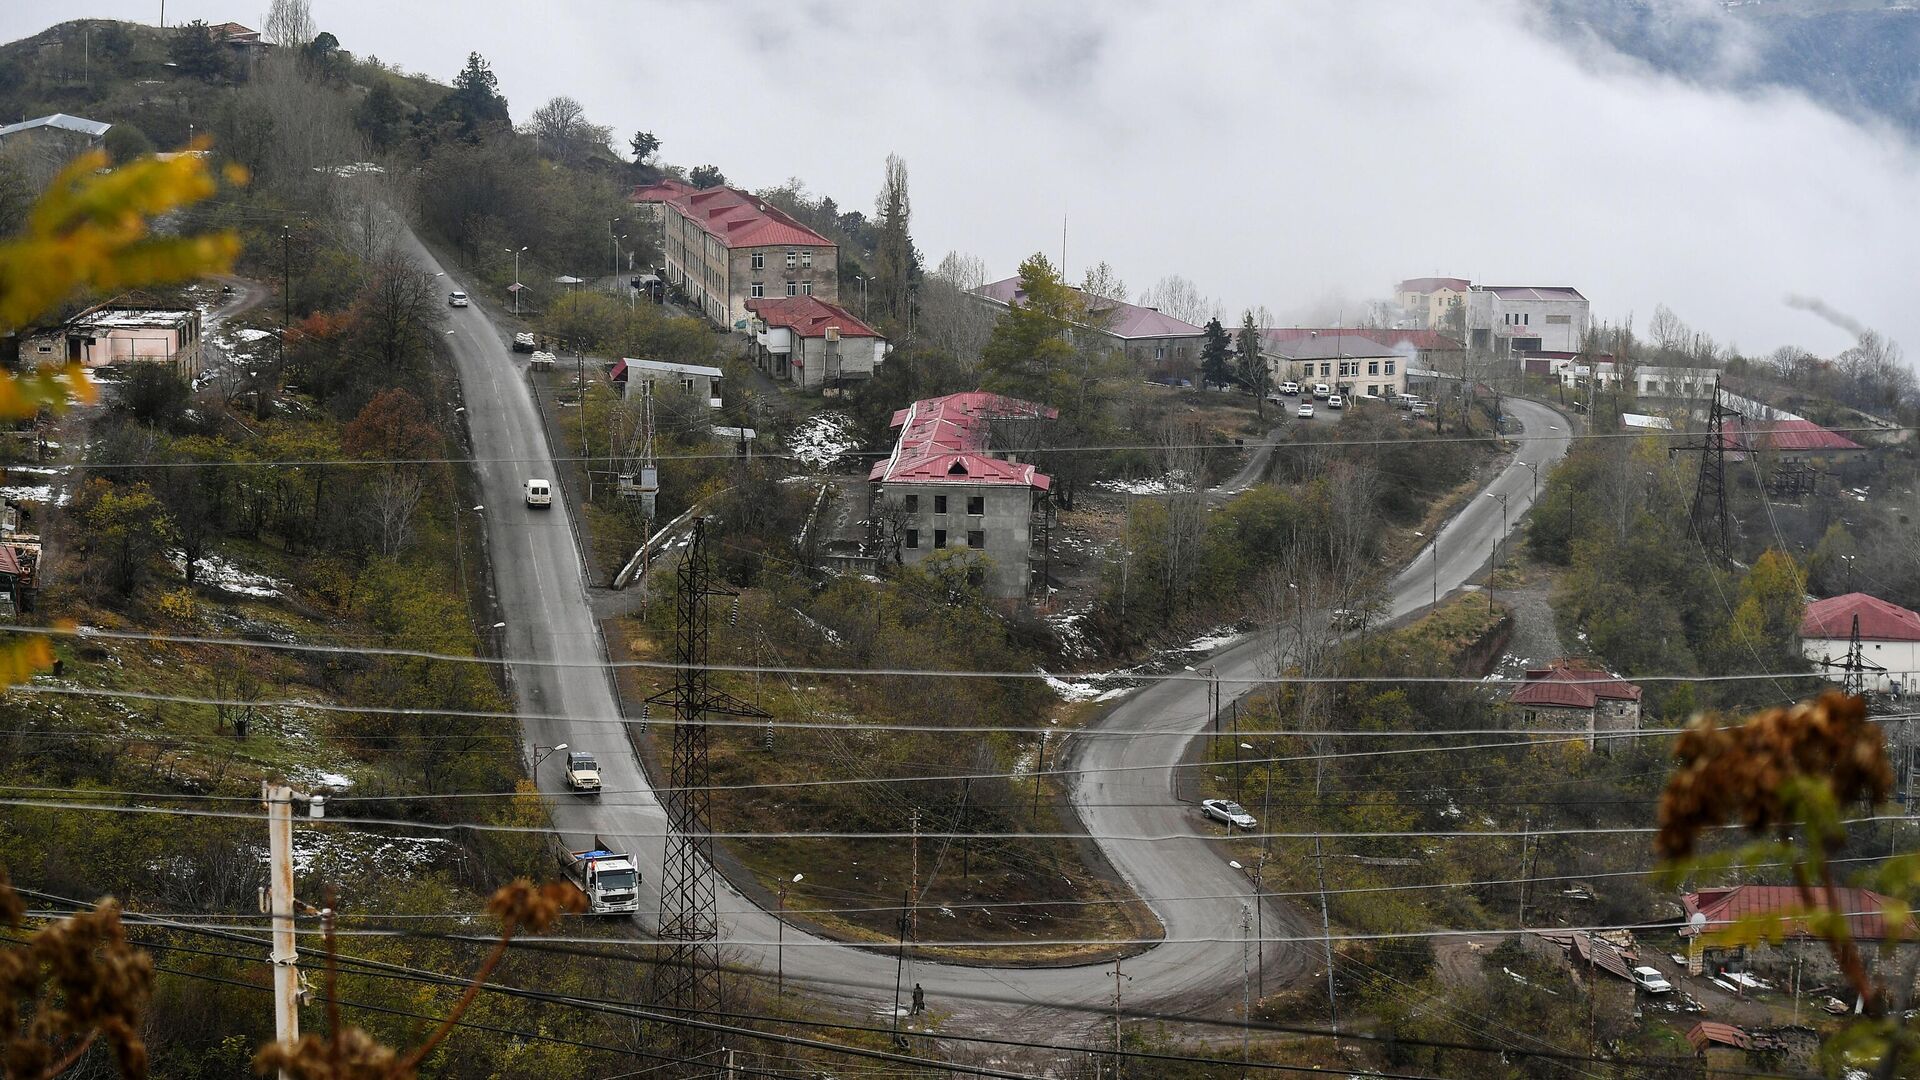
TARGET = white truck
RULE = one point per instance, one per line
(583, 773)
(609, 878)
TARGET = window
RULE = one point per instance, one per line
(939, 504)
(1373, 367)
(1326, 370)
(793, 288)
(1159, 352)
(806, 260)
(806, 288)
(687, 384)
(759, 289)
(913, 504)
(939, 538)
(1559, 320)
(976, 538)
(793, 259)
(1390, 364)
(759, 260)
(976, 504)
(913, 538)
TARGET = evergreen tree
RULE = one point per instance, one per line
(1255, 375)
(197, 53)
(644, 144)
(706, 176)
(1216, 359)
(475, 104)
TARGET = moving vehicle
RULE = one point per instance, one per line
(456, 299)
(609, 878)
(1290, 388)
(1335, 401)
(1322, 390)
(539, 493)
(524, 343)
(1650, 980)
(1306, 410)
(583, 773)
(1227, 812)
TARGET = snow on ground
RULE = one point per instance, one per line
(822, 438)
(330, 851)
(34, 493)
(1079, 690)
(219, 573)
(323, 778)
(1176, 480)
(1213, 639)
(248, 333)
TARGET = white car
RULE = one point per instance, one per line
(1290, 388)
(1335, 401)
(456, 299)
(583, 773)
(1650, 980)
(1306, 410)
(539, 493)
(1227, 812)
(1322, 390)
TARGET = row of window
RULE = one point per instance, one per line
(794, 288)
(976, 504)
(975, 538)
(1517, 318)
(1350, 367)
(795, 259)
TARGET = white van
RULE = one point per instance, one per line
(1322, 391)
(539, 493)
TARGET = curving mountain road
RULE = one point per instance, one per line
(539, 581)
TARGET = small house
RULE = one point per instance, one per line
(1801, 946)
(696, 380)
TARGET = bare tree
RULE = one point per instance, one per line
(1186, 508)
(1180, 298)
(391, 503)
(314, 137)
(563, 130)
(893, 252)
(962, 271)
(1102, 280)
(289, 24)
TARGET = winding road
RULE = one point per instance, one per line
(1125, 786)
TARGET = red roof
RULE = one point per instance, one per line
(1784, 435)
(1434, 284)
(738, 219)
(1879, 620)
(1709, 1031)
(1419, 339)
(1571, 684)
(943, 440)
(661, 191)
(1116, 318)
(1722, 907)
(9, 563)
(810, 317)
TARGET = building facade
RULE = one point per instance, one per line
(1427, 349)
(1889, 640)
(1352, 365)
(1578, 697)
(105, 336)
(694, 380)
(1521, 319)
(1156, 343)
(1797, 946)
(946, 488)
(724, 247)
(53, 139)
(1433, 303)
(810, 343)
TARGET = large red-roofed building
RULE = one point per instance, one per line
(1573, 694)
(1889, 640)
(953, 481)
(724, 246)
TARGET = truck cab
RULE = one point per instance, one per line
(609, 878)
(583, 773)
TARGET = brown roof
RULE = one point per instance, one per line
(1572, 684)
(1709, 1031)
(1722, 907)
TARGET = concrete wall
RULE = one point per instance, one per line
(1900, 658)
(1504, 320)
(1173, 355)
(1430, 309)
(703, 387)
(816, 272)
(1004, 525)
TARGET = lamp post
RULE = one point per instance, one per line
(1536, 479)
(541, 753)
(1848, 559)
(611, 234)
(863, 296)
(515, 252)
(1502, 496)
(780, 939)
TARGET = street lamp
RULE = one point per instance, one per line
(1849, 559)
(863, 296)
(616, 247)
(541, 753)
(1536, 479)
(1502, 496)
(515, 252)
(780, 939)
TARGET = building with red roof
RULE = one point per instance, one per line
(1889, 640)
(724, 246)
(955, 481)
(1790, 438)
(1574, 694)
(1782, 908)
(811, 343)
(1155, 341)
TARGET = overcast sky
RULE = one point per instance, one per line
(1300, 156)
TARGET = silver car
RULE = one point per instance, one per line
(1228, 813)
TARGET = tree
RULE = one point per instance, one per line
(126, 528)
(1033, 339)
(475, 106)
(392, 427)
(1216, 359)
(124, 142)
(644, 145)
(706, 176)
(563, 131)
(893, 255)
(1179, 298)
(289, 24)
(196, 53)
(1254, 373)
(379, 117)
(1102, 280)
(399, 314)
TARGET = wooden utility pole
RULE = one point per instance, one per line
(1116, 1016)
(1326, 934)
(278, 799)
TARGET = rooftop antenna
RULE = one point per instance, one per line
(1063, 245)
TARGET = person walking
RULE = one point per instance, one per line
(919, 1000)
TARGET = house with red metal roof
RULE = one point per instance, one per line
(1783, 910)
(1573, 694)
(1889, 640)
(1156, 342)
(955, 484)
(811, 343)
(649, 201)
(724, 246)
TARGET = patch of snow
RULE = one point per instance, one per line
(1174, 481)
(323, 778)
(1748, 981)
(219, 573)
(833, 636)
(34, 493)
(1072, 691)
(248, 333)
(1213, 639)
(335, 850)
(821, 439)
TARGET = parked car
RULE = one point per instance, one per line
(1227, 813)
(1290, 388)
(1404, 401)
(1335, 401)
(456, 299)
(1322, 390)
(539, 493)
(1420, 408)
(1306, 410)
(1650, 980)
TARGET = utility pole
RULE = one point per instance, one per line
(1040, 772)
(913, 909)
(278, 799)
(900, 966)
(1246, 983)
(1526, 834)
(1326, 934)
(1436, 569)
(1116, 1015)
(1259, 918)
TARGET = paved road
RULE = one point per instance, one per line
(538, 577)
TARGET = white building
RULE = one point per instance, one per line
(810, 343)
(105, 336)
(1428, 301)
(695, 380)
(1889, 640)
(1522, 319)
(1678, 382)
(1349, 363)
